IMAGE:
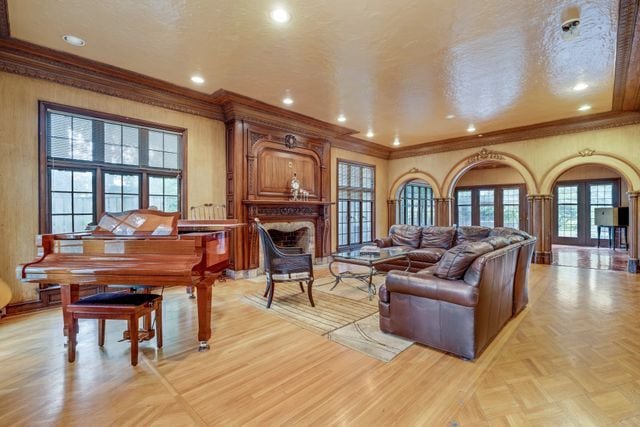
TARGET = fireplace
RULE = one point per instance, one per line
(299, 234)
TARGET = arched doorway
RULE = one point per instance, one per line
(627, 173)
(490, 194)
(579, 196)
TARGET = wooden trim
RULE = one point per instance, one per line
(541, 130)
(373, 209)
(30, 60)
(626, 91)
(361, 146)
(5, 29)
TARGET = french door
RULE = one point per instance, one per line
(491, 206)
(574, 206)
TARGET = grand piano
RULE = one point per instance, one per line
(141, 247)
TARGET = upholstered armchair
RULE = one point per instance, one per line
(284, 265)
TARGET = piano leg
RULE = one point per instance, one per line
(204, 296)
(68, 294)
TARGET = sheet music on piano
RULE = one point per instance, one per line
(141, 247)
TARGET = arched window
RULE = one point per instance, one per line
(415, 204)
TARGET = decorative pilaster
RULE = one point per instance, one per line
(443, 208)
(540, 225)
(632, 244)
(392, 209)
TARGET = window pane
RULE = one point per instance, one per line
(130, 136)
(61, 203)
(61, 224)
(155, 141)
(112, 134)
(601, 196)
(171, 160)
(112, 183)
(83, 203)
(170, 143)
(464, 215)
(112, 203)
(60, 180)
(131, 184)
(130, 203)
(112, 153)
(156, 202)
(155, 185)
(60, 126)
(83, 181)
(170, 204)
(155, 158)
(130, 155)
(567, 221)
(80, 222)
(171, 186)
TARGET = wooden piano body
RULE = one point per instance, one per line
(140, 247)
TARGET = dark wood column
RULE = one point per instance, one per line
(540, 225)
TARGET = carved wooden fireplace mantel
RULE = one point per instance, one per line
(270, 211)
(262, 159)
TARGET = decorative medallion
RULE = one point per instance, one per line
(484, 154)
(255, 137)
(587, 152)
(290, 141)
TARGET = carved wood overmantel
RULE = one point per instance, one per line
(262, 159)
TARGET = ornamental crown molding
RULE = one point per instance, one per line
(483, 155)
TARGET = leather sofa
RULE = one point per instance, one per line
(461, 302)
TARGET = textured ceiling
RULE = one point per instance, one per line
(397, 67)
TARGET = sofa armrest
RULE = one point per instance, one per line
(384, 242)
(430, 286)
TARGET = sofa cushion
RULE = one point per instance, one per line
(508, 231)
(496, 241)
(471, 233)
(514, 238)
(456, 260)
(437, 237)
(405, 235)
(431, 255)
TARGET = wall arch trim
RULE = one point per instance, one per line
(412, 175)
(487, 156)
(590, 157)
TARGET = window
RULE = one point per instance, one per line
(415, 204)
(356, 190)
(511, 207)
(464, 207)
(94, 163)
(487, 208)
(600, 196)
(491, 206)
(567, 210)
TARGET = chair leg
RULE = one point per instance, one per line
(272, 287)
(301, 287)
(71, 340)
(266, 291)
(101, 325)
(133, 337)
(159, 324)
(309, 285)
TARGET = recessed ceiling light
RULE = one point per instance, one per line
(585, 107)
(342, 118)
(396, 141)
(197, 80)
(280, 15)
(73, 40)
(287, 100)
(471, 128)
(580, 86)
(450, 116)
(370, 134)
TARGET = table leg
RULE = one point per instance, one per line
(599, 228)
(370, 284)
(69, 294)
(203, 298)
(337, 276)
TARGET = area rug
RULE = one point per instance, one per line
(366, 337)
(346, 321)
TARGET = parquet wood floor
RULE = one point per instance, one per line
(571, 358)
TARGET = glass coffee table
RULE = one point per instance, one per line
(368, 260)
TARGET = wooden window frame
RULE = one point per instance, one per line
(498, 203)
(373, 205)
(100, 168)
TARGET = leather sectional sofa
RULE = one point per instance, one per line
(466, 291)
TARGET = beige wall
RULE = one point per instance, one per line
(538, 155)
(381, 190)
(19, 98)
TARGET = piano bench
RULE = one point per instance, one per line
(115, 306)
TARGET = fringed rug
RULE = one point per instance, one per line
(347, 321)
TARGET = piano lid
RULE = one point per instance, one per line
(139, 222)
